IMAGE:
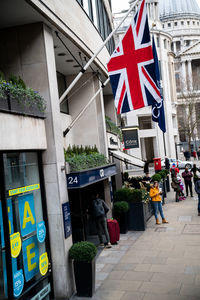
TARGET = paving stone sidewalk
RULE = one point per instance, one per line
(163, 262)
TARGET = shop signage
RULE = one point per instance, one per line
(130, 137)
(41, 231)
(30, 257)
(27, 214)
(24, 189)
(87, 177)
(112, 141)
(10, 220)
(44, 263)
(15, 244)
(45, 291)
(18, 283)
(66, 219)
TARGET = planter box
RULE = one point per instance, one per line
(138, 215)
(85, 278)
(13, 106)
(123, 221)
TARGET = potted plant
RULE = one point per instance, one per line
(83, 255)
(120, 214)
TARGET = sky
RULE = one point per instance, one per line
(119, 5)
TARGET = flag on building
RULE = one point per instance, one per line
(131, 67)
(158, 113)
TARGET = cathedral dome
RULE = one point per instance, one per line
(171, 9)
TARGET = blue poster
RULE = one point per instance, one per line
(41, 231)
(66, 219)
(18, 283)
(30, 257)
(10, 218)
(27, 214)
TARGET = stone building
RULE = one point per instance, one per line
(47, 43)
(181, 19)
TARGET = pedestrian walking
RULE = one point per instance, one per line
(155, 193)
(198, 154)
(99, 210)
(175, 184)
(187, 176)
(187, 155)
(197, 189)
(194, 170)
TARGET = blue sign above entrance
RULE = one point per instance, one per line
(83, 178)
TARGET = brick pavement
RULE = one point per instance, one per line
(163, 262)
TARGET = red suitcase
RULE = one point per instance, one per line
(114, 231)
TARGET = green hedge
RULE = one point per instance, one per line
(83, 251)
(82, 162)
(121, 207)
(16, 89)
(128, 195)
(156, 177)
(81, 158)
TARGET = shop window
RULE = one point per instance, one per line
(27, 225)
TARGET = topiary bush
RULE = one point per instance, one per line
(123, 194)
(120, 207)
(136, 196)
(83, 251)
(162, 174)
(156, 177)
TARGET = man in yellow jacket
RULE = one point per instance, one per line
(154, 193)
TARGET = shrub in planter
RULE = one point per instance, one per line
(83, 254)
(162, 174)
(135, 182)
(120, 214)
(156, 177)
(123, 194)
(136, 195)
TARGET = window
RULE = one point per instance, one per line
(175, 23)
(27, 225)
(182, 22)
(61, 80)
(158, 42)
(188, 22)
(165, 43)
(144, 123)
(169, 24)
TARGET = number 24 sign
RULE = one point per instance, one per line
(72, 180)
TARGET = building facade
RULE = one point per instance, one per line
(152, 142)
(181, 19)
(47, 43)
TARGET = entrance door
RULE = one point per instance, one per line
(83, 225)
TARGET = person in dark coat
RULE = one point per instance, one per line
(187, 176)
(197, 189)
(98, 210)
(194, 171)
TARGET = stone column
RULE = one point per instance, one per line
(183, 76)
(190, 80)
(55, 178)
(174, 45)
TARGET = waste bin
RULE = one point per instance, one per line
(157, 164)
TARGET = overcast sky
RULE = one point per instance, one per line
(119, 5)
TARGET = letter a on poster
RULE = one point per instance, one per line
(27, 214)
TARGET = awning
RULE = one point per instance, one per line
(127, 158)
(76, 180)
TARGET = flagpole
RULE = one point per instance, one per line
(95, 55)
(164, 144)
(82, 111)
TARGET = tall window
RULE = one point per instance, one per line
(61, 80)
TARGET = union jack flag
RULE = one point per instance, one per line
(131, 67)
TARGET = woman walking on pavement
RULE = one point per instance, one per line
(154, 193)
(187, 176)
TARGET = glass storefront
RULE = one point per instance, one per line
(24, 251)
